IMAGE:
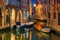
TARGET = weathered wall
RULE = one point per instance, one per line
(0, 2)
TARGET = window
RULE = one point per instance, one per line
(7, 16)
(49, 15)
(54, 15)
(25, 14)
(58, 18)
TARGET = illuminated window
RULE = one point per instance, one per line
(7, 16)
(25, 14)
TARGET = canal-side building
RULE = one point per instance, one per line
(51, 10)
(53, 14)
(26, 8)
(1, 2)
(41, 16)
(9, 11)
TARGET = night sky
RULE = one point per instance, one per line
(33, 2)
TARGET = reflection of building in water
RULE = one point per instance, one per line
(34, 35)
(3, 36)
(12, 36)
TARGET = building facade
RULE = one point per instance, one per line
(9, 13)
(53, 14)
(0, 13)
(51, 10)
(41, 16)
(26, 8)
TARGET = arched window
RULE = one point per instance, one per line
(7, 16)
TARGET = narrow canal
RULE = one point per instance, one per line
(27, 35)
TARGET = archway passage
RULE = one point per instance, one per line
(19, 16)
(7, 17)
(0, 17)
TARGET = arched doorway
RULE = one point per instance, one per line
(7, 18)
(19, 16)
(0, 18)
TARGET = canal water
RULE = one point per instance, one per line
(27, 35)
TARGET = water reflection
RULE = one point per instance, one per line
(12, 36)
(24, 35)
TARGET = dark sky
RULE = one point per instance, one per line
(34, 1)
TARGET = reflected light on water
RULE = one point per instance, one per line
(27, 35)
(12, 36)
(3, 37)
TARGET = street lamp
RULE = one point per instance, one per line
(34, 5)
